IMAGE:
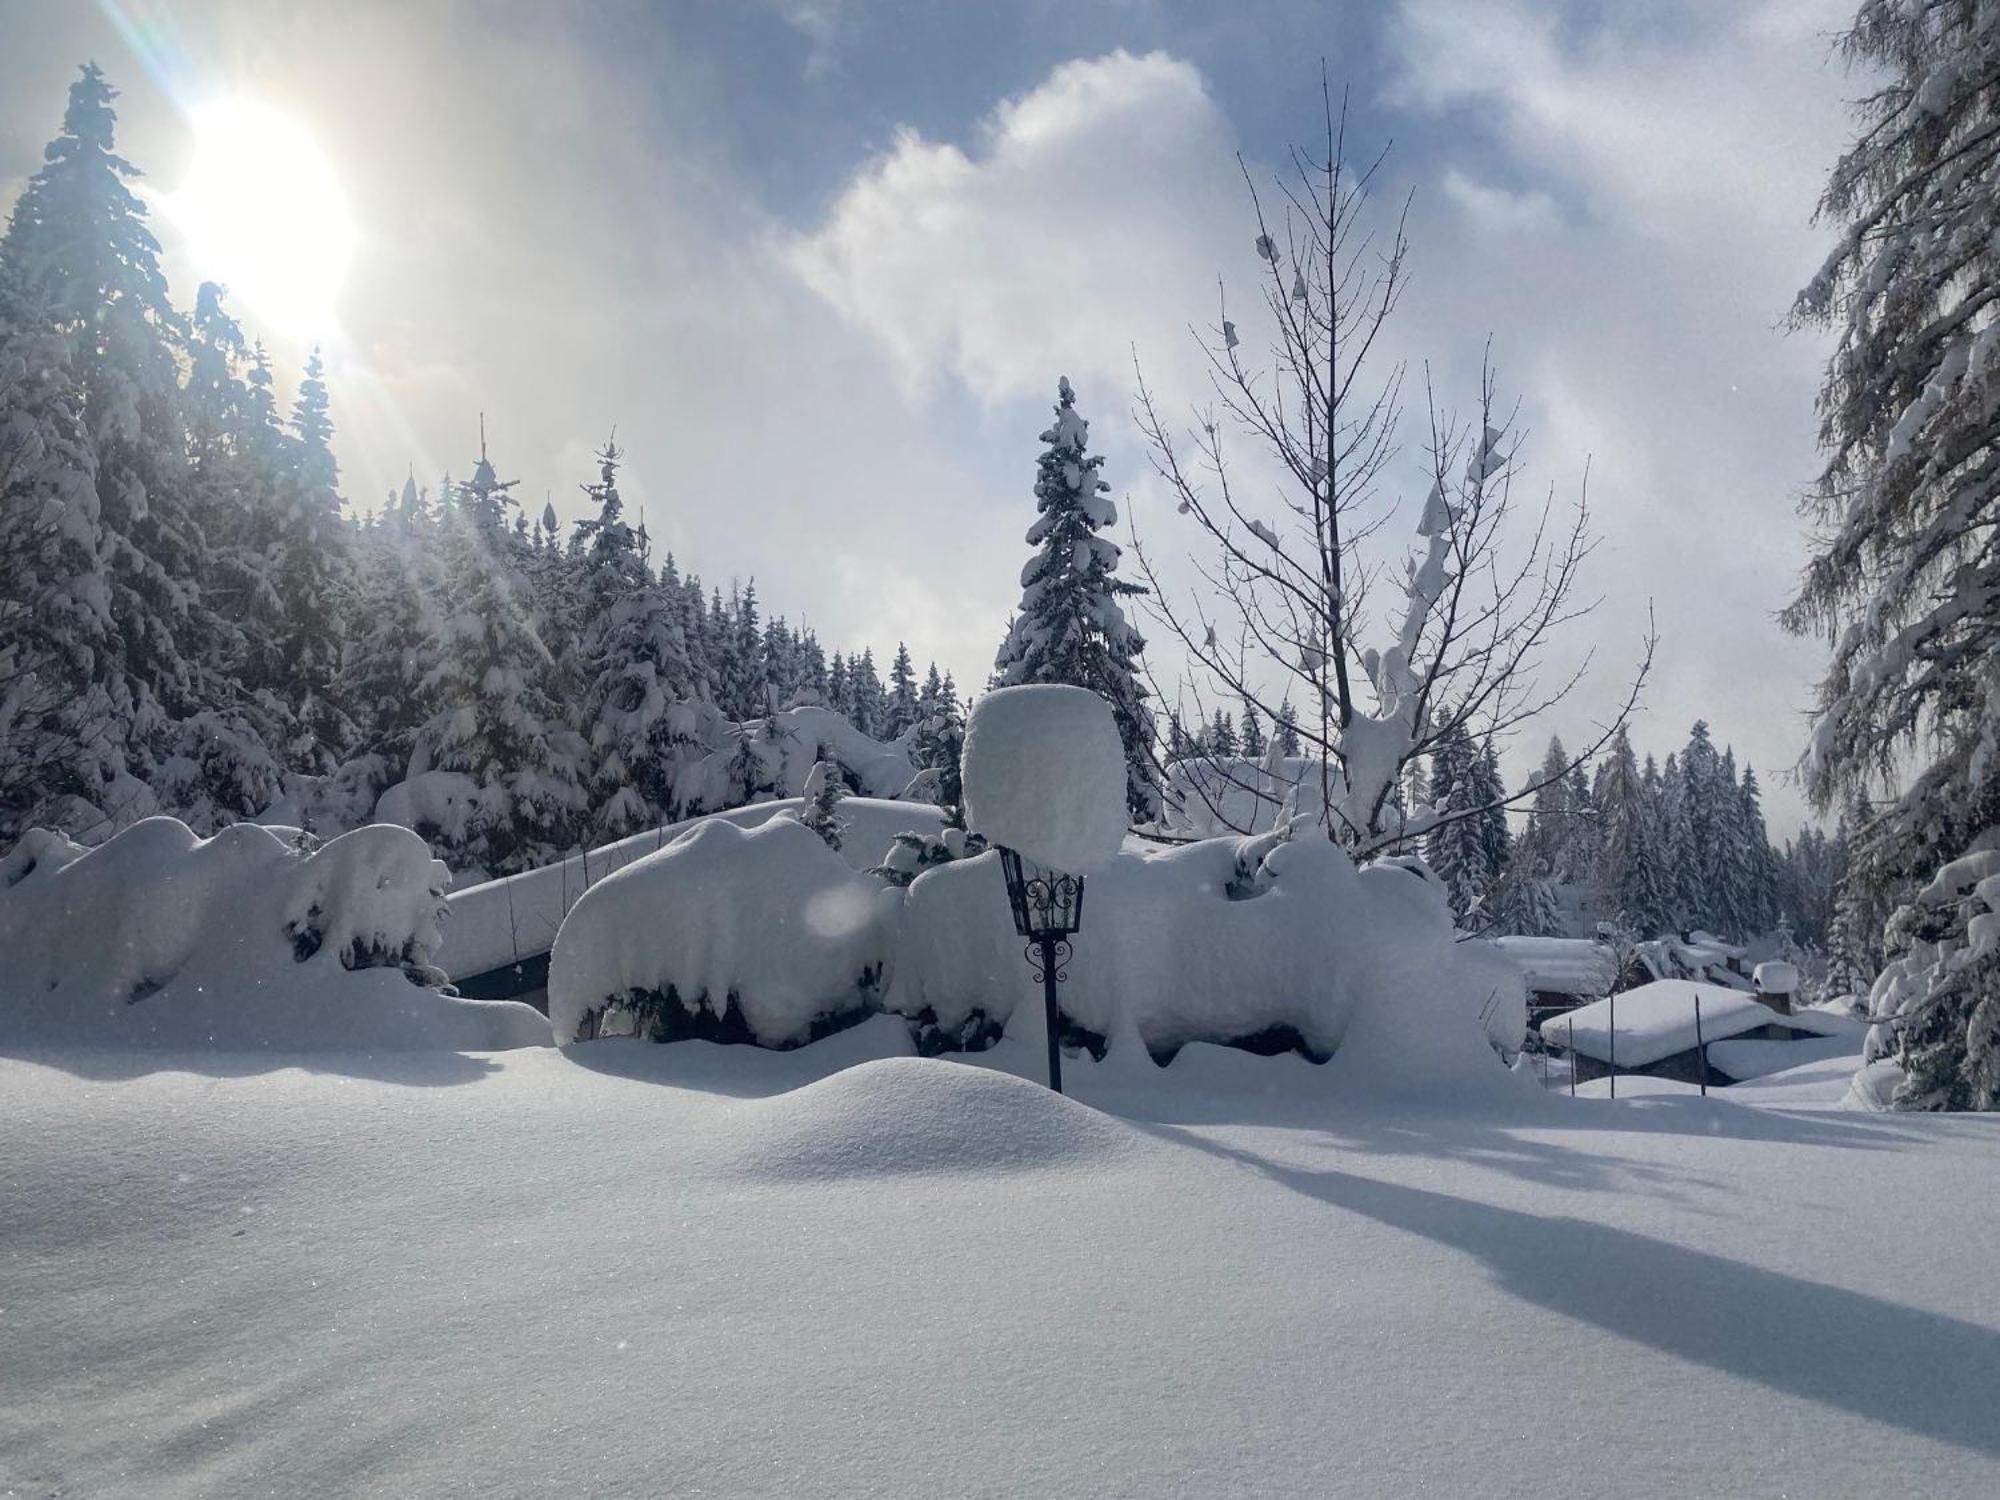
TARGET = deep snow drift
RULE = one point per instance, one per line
(628, 1270)
(158, 938)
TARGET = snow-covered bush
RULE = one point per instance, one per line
(912, 853)
(760, 935)
(1268, 942)
(1936, 1008)
(244, 940)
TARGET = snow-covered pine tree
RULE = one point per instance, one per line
(1542, 850)
(1903, 580)
(1287, 731)
(58, 704)
(1528, 906)
(1621, 807)
(1763, 905)
(496, 723)
(393, 635)
(781, 663)
(1253, 734)
(313, 582)
(631, 663)
(1731, 866)
(744, 685)
(812, 686)
(79, 252)
(1456, 850)
(940, 749)
(839, 691)
(1222, 736)
(1070, 628)
(825, 789)
(901, 710)
(1581, 834)
(1489, 793)
(868, 700)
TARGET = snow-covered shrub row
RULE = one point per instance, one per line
(767, 935)
(762, 934)
(246, 940)
(499, 922)
(1266, 942)
(743, 763)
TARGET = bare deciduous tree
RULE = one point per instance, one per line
(1283, 607)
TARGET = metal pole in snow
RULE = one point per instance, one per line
(1611, 1043)
(1700, 1048)
(1572, 1056)
(1049, 1004)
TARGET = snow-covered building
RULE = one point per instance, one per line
(1661, 1028)
(1696, 955)
(1562, 973)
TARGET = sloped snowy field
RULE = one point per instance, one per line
(639, 1270)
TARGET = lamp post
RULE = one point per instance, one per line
(1048, 910)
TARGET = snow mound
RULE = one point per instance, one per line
(1266, 943)
(158, 938)
(501, 922)
(761, 934)
(1044, 774)
(908, 1116)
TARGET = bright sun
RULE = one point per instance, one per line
(264, 215)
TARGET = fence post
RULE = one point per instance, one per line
(1700, 1047)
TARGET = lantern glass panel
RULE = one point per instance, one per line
(1046, 903)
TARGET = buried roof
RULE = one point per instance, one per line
(1562, 966)
(1655, 1021)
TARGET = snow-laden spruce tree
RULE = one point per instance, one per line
(1904, 580)
(1070, 627)
(633, 669)
(1287, 522)
(313, 582)
(58, 706)
(1457, 849)
(87, 267)
(495, 724)
(824, 791)
(902, 704)
(394, 631)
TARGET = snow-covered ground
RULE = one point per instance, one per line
(626, 1269)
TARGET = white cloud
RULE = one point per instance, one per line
(1496, 210)
(1084, 219)
(1644, 329)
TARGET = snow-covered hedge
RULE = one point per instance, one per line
(244, 940)
(766, 935)
(499, 922)
(1265, 942)
(762, 934)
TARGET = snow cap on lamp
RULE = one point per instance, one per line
(1044, 774)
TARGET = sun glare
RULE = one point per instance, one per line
(264, 214)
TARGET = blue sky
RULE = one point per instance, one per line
(821, 261)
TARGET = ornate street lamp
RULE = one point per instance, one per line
(1048, 910)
